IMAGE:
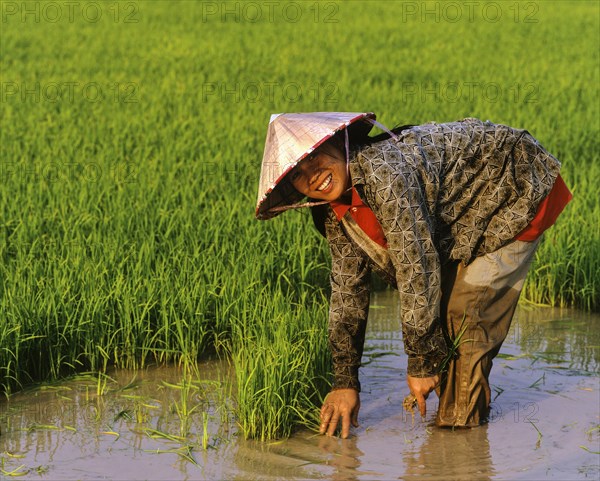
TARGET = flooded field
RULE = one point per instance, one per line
(162, 424)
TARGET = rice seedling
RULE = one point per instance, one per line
(183, 409)
(184, 452)
(154, 433)
(205, 430)
(20, 470)
(540, 380)
(410, 401)
(591, 432)
(585, 448)
(539, 434)
(101, 385)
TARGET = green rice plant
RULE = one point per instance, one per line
(184, 452)
(204, 430)
(539, 434)
(585, 448)
(20, 470)
(455, 342)
(278, 361)
(535, 383)
(183, 409)
(594, 430)
(410, 401)
(567, 262)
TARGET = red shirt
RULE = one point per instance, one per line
(363, 216)
(547, 212)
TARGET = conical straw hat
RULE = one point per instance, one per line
(290, 138)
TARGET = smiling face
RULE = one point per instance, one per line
(323, 174)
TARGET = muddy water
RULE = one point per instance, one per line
(545, 379)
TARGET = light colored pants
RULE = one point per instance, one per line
(481, 299)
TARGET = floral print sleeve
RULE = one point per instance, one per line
(401, 207)
(349, 305)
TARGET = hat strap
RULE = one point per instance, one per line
(347, 146)
(298, 205)
(382, 127)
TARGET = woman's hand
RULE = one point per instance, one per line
(420, 387)
(341, 403)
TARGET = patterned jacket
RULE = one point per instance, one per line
(441, 192)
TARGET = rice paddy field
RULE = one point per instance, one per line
(131, 139)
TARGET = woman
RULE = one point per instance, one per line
(450, 214)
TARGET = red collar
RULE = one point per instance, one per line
(340, 208)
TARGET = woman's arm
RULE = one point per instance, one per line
(349, 305)
(348, 309)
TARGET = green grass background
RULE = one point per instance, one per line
(127, 230)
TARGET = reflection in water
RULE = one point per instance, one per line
(448, 454)
(545, 391)
(344, 455)
(561, 335)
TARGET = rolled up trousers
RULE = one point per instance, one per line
(478, 304)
